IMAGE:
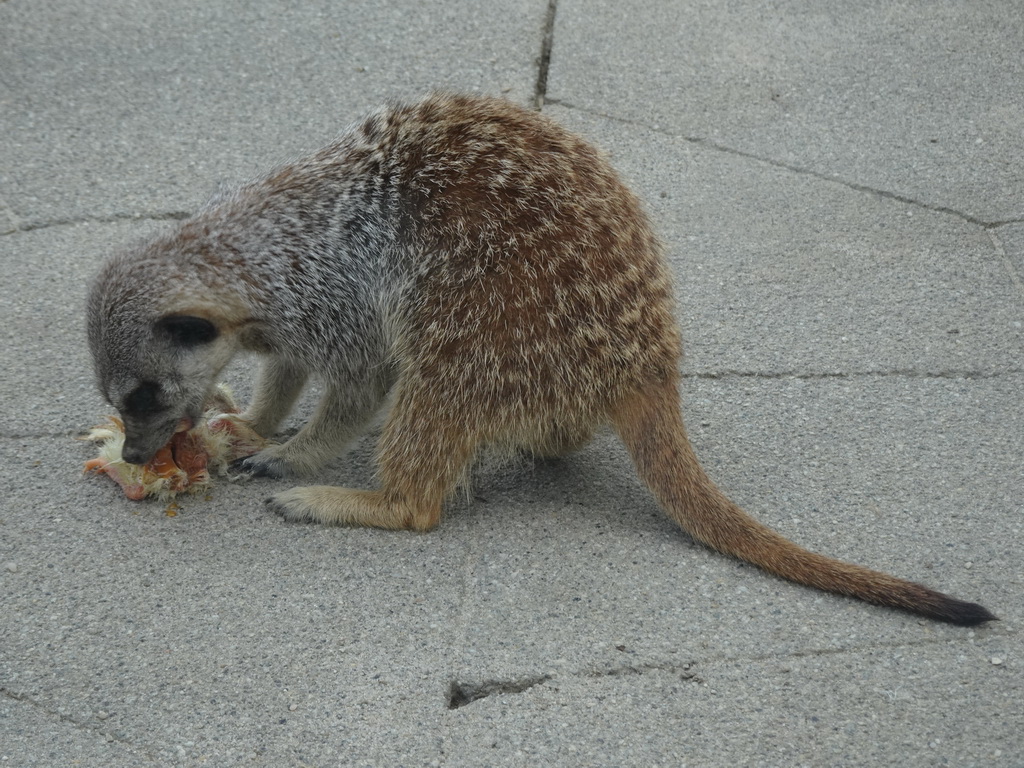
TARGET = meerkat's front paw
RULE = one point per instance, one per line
(262, 464)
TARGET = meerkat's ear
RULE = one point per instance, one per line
(187, 330)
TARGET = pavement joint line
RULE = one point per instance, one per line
(112, 219)
(1015, 277)
(18, 227)
(69, 435)
(544, 59)
(79, 434)
(726, 149)
(540, 99)
(844, 375)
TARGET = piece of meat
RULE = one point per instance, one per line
(184, 464)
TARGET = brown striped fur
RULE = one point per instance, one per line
(469, 263)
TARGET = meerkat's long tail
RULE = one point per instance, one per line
(652, 428)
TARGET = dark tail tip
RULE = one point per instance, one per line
(960, 613)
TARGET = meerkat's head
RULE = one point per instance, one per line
(159, 338)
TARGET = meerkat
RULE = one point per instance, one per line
(465, 264)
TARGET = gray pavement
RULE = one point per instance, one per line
(841, 188)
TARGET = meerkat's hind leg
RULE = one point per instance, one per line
(332, 505)
(412, 503)
(423, 455)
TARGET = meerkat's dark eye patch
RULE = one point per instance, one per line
(144, 399)
(188, 330)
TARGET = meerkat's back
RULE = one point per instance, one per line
(542, 296)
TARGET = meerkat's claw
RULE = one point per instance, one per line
(260, 465)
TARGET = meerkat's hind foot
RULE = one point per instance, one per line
(330, 505)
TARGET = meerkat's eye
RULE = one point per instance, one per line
(144, 399)
(188, 330)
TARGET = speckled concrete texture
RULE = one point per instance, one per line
(841, 192)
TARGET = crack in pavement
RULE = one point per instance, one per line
(9, 223)
(462, 693)
(540, 99)
(540, 89)
(80, 725)
(723, 375)
(685, 671)
(71, 434)
(850, 375)
(725, 148)
(997, 243)
(111, 219)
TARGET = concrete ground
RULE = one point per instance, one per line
(841, 188)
